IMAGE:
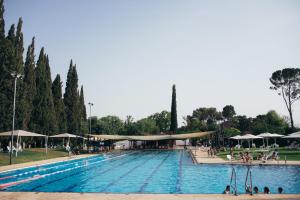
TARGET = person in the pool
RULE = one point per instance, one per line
(267, 190)
(255, 189)
(280, 190)
(227, 190)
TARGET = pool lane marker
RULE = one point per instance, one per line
(5, 185)
(146, 182)
(179, 175)
(48, 168)
(42, 169)
(68, 189)
(126, 173)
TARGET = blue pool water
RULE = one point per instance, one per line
(145, 172)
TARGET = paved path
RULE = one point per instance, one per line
(100, 196)
(201, 157)
(40, 162)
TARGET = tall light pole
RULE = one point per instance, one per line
(90, 104)
(16, 76)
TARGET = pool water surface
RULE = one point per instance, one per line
(150, 171)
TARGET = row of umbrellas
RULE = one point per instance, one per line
(266, 136)
(21, 133)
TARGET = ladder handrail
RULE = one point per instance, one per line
(249, 174)
(233, 176)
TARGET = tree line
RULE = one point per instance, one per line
(40, 105)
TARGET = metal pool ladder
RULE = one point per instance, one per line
(233, 181)
(248, 187)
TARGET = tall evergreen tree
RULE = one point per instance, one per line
(43, 115)
(2, 22)
(7, 66)
(71, 100)
(59, 105)
(174, 124)
(82, 104)
(29, 85)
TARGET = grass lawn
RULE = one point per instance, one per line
(290, 154)
(29, 155)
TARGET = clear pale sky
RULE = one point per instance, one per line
(129, 53)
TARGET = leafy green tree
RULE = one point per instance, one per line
(130, 127)
(43, 115)
(59, 105)
(286, 82)
(147, 126)
(271, 122)
(243, 123)
(110, 125)
(29, 86)
(230, 132)
(174, 124)
(228, 112)
(162, 120)
(71, 101)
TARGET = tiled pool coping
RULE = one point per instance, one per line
(101, 196)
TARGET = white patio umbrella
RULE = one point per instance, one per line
(237, 137)
(21, 133)
(295, 135)
(66, 135)
(249, 137)
(269, 135)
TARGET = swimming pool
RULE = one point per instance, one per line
(145, 172)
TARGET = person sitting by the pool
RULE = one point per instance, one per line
(280, 190)
(242, 157)
(275, 155)
(247, 157)
(255, 189)
(227, 190)
(208, 152)
(266, 190)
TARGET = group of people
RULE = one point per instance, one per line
(246, 157)
(212, 152)
(255, 190)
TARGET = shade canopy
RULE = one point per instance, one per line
(270, 135)
(293, 135)
(65, 135)
(237, 137)
(249, 137)
(153, 137)
(22, 133)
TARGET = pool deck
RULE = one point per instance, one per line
(42, 162)
(201, 157)
(101, 196)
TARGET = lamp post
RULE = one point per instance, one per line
(90, 104)
(16, 76)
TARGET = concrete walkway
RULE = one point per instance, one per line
(101, 196)
(201, 157)
(41, 162)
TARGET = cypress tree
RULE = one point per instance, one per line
(82, 104)
(7, 66)
(19, 68)
(59, 104)
(71, 100)
(2, 22)
(43, 115)
(29, 86)
(83, 121)
(173, 126)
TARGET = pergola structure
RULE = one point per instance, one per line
(152, 137)
(21, 133)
